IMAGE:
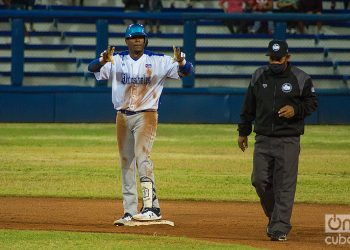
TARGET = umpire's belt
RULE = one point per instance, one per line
(129, 112)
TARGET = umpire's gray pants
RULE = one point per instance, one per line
(135, 135)
(275, 170)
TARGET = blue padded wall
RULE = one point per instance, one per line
(84, 104)
(27, 107)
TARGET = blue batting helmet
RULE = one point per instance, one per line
(135, 30)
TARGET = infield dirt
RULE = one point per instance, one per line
(230, 222)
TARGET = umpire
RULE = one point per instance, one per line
(278, 99)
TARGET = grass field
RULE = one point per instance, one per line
(192, 162)
(11, 239)
(81, 160)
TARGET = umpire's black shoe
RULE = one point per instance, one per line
(278, 236)
(268, 232)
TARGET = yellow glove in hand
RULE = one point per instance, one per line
(178, 55)
(107, 55)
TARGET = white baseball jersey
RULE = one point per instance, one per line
(138, 84)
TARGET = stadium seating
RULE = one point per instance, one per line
(60, 49)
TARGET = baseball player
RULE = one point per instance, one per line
(138, 78)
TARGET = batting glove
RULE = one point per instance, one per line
(107, 55)
(178, 56)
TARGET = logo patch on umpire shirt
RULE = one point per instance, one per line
(286, 87)
(276, 47)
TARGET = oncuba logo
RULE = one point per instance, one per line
(286, 87)
(337, 223)
(339, 226)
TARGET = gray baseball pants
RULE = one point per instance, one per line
(275, 170)
(135, 135)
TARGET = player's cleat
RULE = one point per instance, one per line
(124, 220)
(148, 214)
(278, 236)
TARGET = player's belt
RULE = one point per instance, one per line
(129, 112)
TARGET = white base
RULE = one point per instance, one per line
(148, 223)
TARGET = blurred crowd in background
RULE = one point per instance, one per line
(273, 6)
(228, 6)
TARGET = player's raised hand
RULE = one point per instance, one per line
(178, 55)
(107, 55)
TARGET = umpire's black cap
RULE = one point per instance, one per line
(277, 48)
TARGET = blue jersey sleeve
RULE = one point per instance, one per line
(186, 69)
(95, 65)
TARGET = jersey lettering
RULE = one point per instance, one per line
(127, 79)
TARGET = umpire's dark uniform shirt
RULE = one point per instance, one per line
(277, 141)
(268, 93)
